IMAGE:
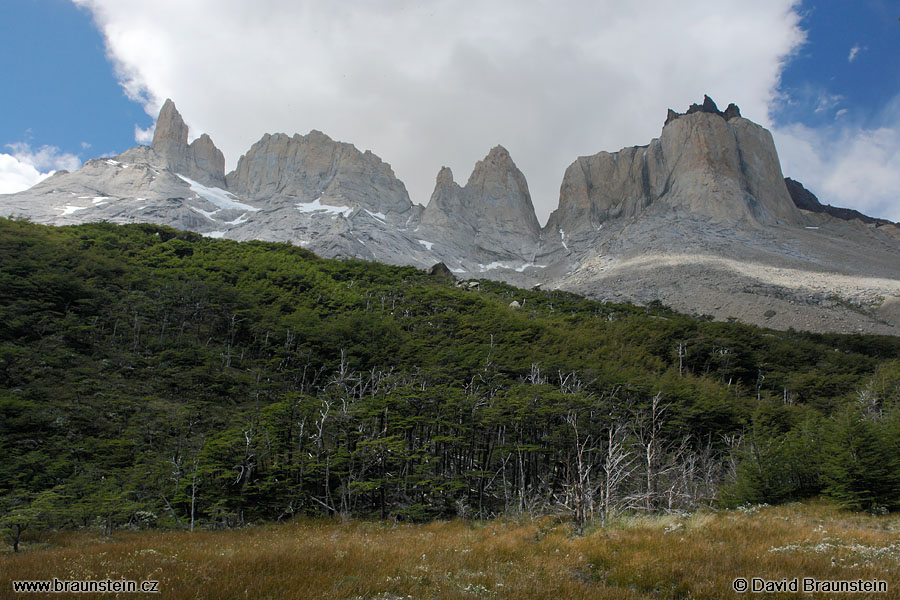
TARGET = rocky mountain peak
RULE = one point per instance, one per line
(170, 137)
(279, 168)
(200, 160)
(206, 162)
(446, 204)
(498, 152)
(171, 132)
(498, 159)
(498, 190)
(444, 177)
(706, 164)
(695, 218)
(708, 106)
(318, 137)
(731, 111)
(806, 200)
(492, 214)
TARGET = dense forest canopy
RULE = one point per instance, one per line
(154, 377)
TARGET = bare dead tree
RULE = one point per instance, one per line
(617, 465)
(582, 499)
(677, 472)
(535, 376)
(700, 473)
(195, 482)
(647, 429)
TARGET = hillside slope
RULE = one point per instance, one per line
(146, 370)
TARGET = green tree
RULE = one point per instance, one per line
(861, 469)
(20, 512)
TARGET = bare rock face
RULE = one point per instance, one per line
(307, 190)
(312, 167)
(441, 270)
(702, 166)
(731, 112)
(446, 204)
(606, 186)
(170, 137)
(206, 162)
(499, 195)
(493, 214)
(200, 160)
(723, 171)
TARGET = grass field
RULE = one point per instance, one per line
(697, 556)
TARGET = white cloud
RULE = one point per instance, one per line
(144, 136)
(847, 164)
(827, 101)
(426, 84)
(854, 52)
(45, 157)
(26, 167)
(16, 175)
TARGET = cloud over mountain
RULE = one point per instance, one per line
(854, 162)
(429, 84)
(26, 167)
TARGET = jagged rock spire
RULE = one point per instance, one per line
(708, 106)
(171, 134)
(493, 212)
(200, 160)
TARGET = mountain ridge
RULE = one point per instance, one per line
(706, 201)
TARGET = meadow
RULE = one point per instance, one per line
(694, 556)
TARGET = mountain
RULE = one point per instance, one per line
(806, 200)
(487, 224)
(199, 160)
(309, 190)
(701, 218)
(706, 164)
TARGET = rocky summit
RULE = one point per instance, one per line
(200, 159)
(704, 165)
(491, 219)
(701, 218)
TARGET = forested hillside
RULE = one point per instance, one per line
(154, 377)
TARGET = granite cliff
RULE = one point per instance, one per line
(706, 165)
(492, 215)
(199, 160)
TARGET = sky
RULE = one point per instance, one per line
(432, 83)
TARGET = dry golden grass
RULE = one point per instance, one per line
(696, 556)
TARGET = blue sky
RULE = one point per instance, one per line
(430, 85)
(60, 87)
(850, 62)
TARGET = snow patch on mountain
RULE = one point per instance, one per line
(317, 206)
(218, 196)
(69, 209)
